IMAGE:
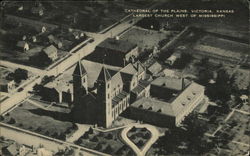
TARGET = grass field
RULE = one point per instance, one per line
(146, 39)
(30, 117)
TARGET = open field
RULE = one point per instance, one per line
(147, 39)
(30, 117)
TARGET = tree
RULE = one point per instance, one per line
(79, 141)
(184, 59)
(109, 136)
(1, 118)
(204, 76)
(90, 131)
(94, 139)
(20, 74)
(108, 149)
(98, 147)
(140, 143)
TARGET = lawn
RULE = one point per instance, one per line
(107, 142)
(32, 118)
(146, 39)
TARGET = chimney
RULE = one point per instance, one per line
(182, 83)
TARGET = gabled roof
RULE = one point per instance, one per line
(129, 69)
(155, 68)
(139, 67)
(79, 69)
(50, 50)
(117, 45)
(104, 75)
(171, 83)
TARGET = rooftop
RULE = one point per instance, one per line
(176, 106)
(171, 83)
(155, 68)
(117, 45)
(50, 50)
(154, 105)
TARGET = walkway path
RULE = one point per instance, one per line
(81, 130)
(36, 104)
(154, 136)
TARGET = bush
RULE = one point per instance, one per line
(94, 139)
(109, 136)
(46, 133)
(98, 147)
(85, 136)
(133, 129)
(1, 118)
(12, 121)
(100, 134)
(140, 143)
(74, 126)
(146, 136)
(62, 137)
(144, 129)
(20, 125)
(90, 131)
(78, 142)
(55, 135)
(39, 129)
(108, 149)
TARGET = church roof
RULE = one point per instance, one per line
(104, 75)
(139, 67)
(79, 69)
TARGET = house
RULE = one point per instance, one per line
(55, 41)
(37, 10)
(170, 113)
(10, 150)
(44, 152)
(51, 52)
(171, 60)
(23, 45)
(7, 85)
(116, 52)
(116, 90)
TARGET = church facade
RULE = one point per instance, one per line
(114, 92)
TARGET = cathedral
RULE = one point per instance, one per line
(113, 92)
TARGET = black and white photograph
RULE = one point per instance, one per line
(124, 78)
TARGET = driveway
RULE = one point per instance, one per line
(154, 136)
